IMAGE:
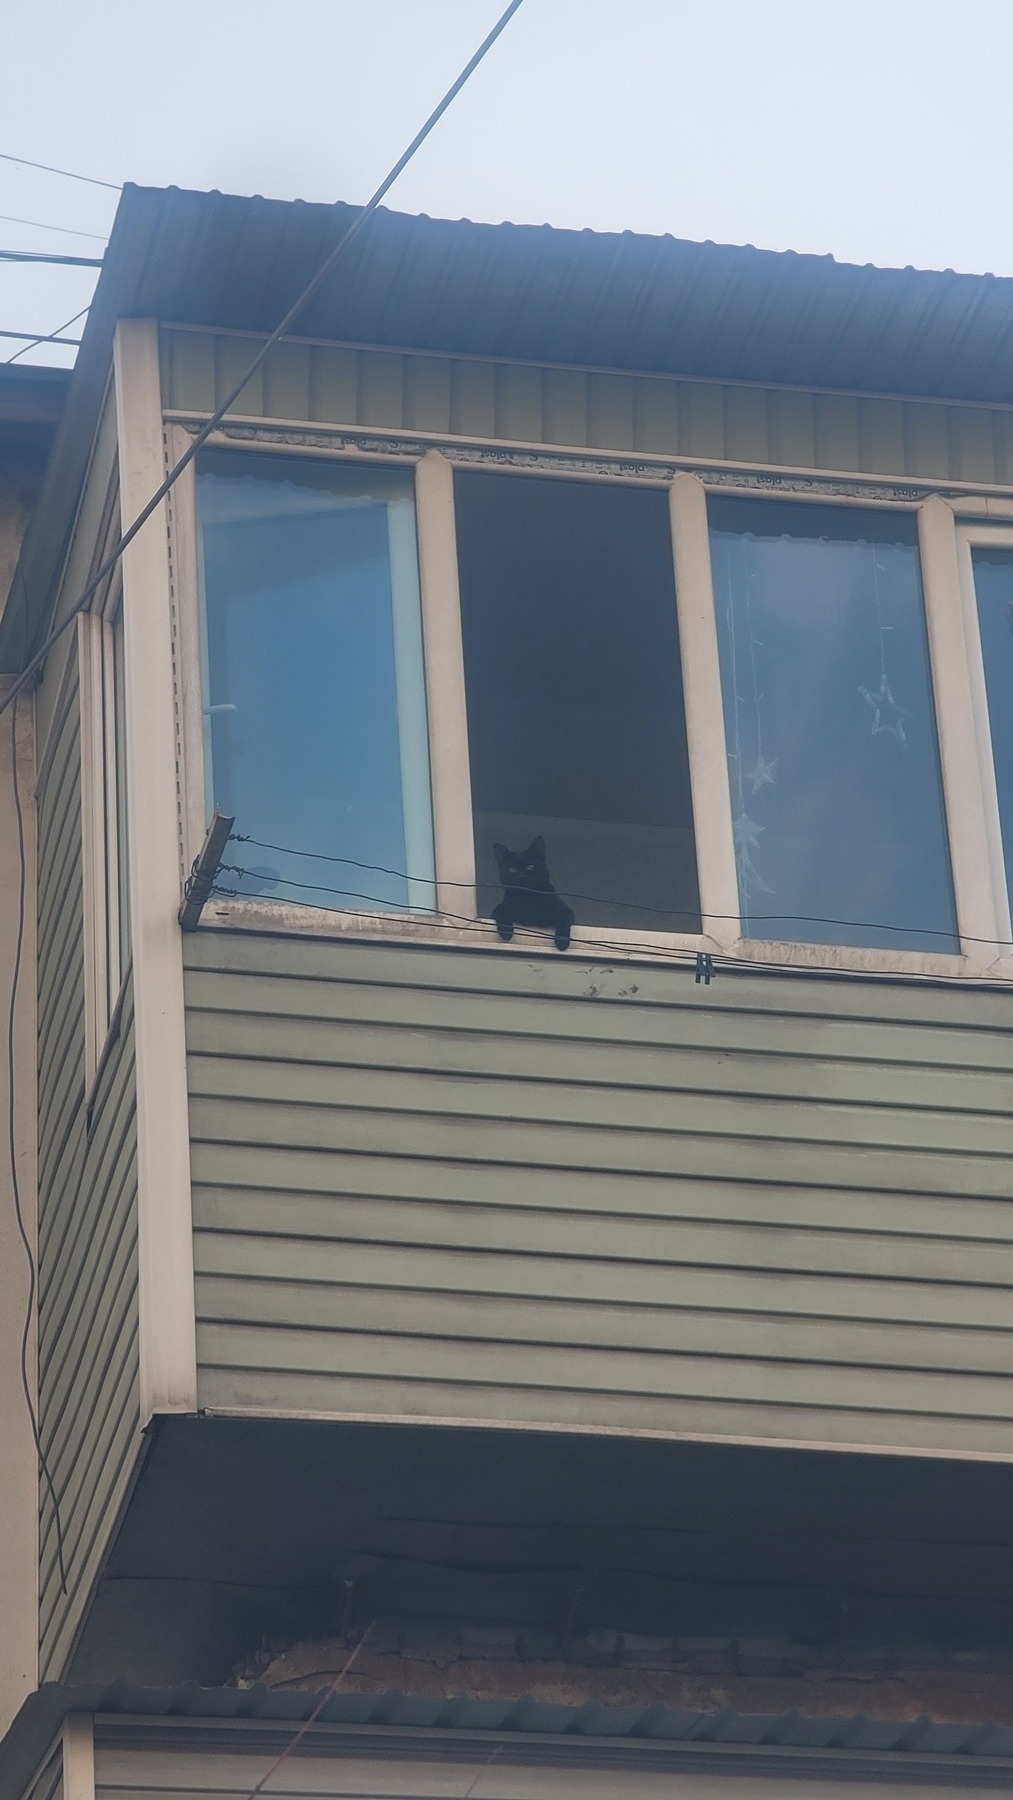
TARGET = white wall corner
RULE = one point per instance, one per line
(19, 1473)
(79, 1757)
(168, 1358)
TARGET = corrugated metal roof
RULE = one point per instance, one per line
(656, 304)
(909, 1750)
(626, 301)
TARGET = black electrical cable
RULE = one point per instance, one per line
(94, 585)
(51, 256)
(61, 230)
(674, 955)
(49, 337)
(210, 425)
(12, 1143)
(25, 162)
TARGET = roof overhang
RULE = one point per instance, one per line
(534, 293)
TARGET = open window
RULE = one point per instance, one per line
(573, 684)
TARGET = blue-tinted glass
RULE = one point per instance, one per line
(993, 583)
(315, 733)
(840, 832)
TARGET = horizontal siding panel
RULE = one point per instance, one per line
(540, 1099)
(816, 1274)
(526, 1145)
(232, 1389)
(696, 1025)
(123, 1773)
(507, 1188)
(500, 971)
(261, 1189)
(457, 1322)
(455, 1048)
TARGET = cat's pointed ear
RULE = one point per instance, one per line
(501, 853)
(536, 847)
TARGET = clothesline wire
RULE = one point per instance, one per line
(674, 955)
(608, 900)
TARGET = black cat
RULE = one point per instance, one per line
(529, 897)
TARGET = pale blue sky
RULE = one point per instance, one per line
(877, 130)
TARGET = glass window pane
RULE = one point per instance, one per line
(315, 719)
(993, 585)
(840, 833)
(576, 724)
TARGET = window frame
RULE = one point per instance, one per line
(968, 781)
(973, 535)
(107, 961)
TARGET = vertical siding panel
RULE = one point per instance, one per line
(381, 377)
(655, 415)
(287, 382)
(232, 356)
(333, 385)
(927, 450)
(881, 436)
(473, 399)
(191, 383)
(972, 450)
(518, 415)
(701, 419)
(427, 393)
(792, 429)
(835, 424)
(610, 411)
(1002, 435)
(87, 1229)
(746, 436)
(564, 407)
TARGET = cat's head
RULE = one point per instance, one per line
(523, 868)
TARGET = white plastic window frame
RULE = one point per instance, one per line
(982, 917)
(106, 965)
(972, 536)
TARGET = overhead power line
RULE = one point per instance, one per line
(63, 230)
(46, 338)
(210, 425)
(50, 256)
(51, 337)
(25, 162)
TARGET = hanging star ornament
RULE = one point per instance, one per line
(746, 832)
(746, 835)
(887, 715)
(762, 775)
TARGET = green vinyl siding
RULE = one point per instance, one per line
(481, 1186)
(87, 1229)
(336, 384)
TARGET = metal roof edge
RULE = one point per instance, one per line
(530, 1732)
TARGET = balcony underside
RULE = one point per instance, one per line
(247, 1536)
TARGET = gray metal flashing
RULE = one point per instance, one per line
(395, 1725)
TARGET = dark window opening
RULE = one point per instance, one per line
(576, 721)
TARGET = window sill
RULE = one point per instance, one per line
(602, 944)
